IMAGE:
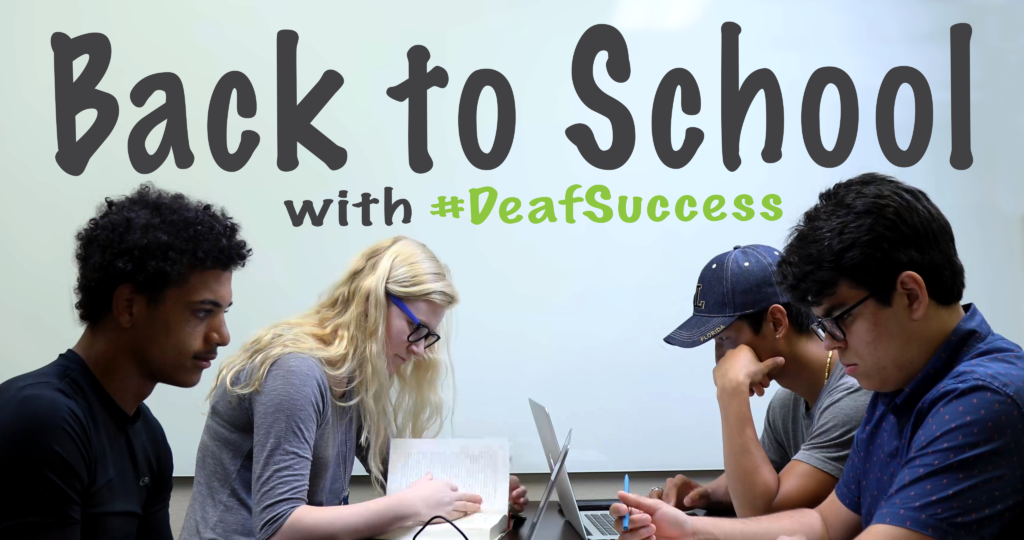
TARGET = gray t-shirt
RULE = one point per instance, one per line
(264, 454)
(821, 436)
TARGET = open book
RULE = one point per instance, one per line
(479, 466)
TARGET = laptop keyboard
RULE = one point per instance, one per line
(603, 523)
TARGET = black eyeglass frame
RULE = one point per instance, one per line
(831, 324)
(430, 337)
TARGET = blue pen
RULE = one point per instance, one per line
(625, 520)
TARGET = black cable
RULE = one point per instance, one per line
(444, 518)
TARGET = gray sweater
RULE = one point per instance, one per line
(264, 454)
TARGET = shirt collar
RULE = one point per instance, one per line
(969, 332)
(88, 378)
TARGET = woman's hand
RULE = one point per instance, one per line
(431, 498)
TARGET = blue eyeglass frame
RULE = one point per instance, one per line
(430, 336)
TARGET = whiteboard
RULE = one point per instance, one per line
(571, 315)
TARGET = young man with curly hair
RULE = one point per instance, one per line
(938, 455)
(81, 456)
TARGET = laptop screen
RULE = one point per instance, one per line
(549, 489)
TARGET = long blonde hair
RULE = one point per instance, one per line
(345, 332)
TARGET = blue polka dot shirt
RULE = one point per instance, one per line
(945, 456)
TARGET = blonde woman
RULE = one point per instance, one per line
(299, 402)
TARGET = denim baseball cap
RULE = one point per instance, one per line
(731, 284)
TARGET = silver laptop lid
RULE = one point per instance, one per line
(548, 439)
(548, 490)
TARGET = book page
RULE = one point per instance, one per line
(479, 466)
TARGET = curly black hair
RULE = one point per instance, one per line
(867, 231)
(154, 240)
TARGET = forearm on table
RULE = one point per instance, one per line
(803, 522)
(753, 483)
(354, 521)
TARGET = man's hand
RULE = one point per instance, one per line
(741, 368)
(683, 493)
(516, 495)
(650, 519)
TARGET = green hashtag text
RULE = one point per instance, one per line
(445, 206)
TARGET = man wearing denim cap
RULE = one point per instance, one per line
(809, 426)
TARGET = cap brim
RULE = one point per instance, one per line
(698, 330)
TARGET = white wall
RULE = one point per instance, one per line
(570, 315)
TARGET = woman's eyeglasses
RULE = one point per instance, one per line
(831, 326)
(421, 331)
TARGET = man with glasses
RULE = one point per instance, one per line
(940, 453)
(760, 336)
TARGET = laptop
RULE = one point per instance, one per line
(590, 525)
(559, 467)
